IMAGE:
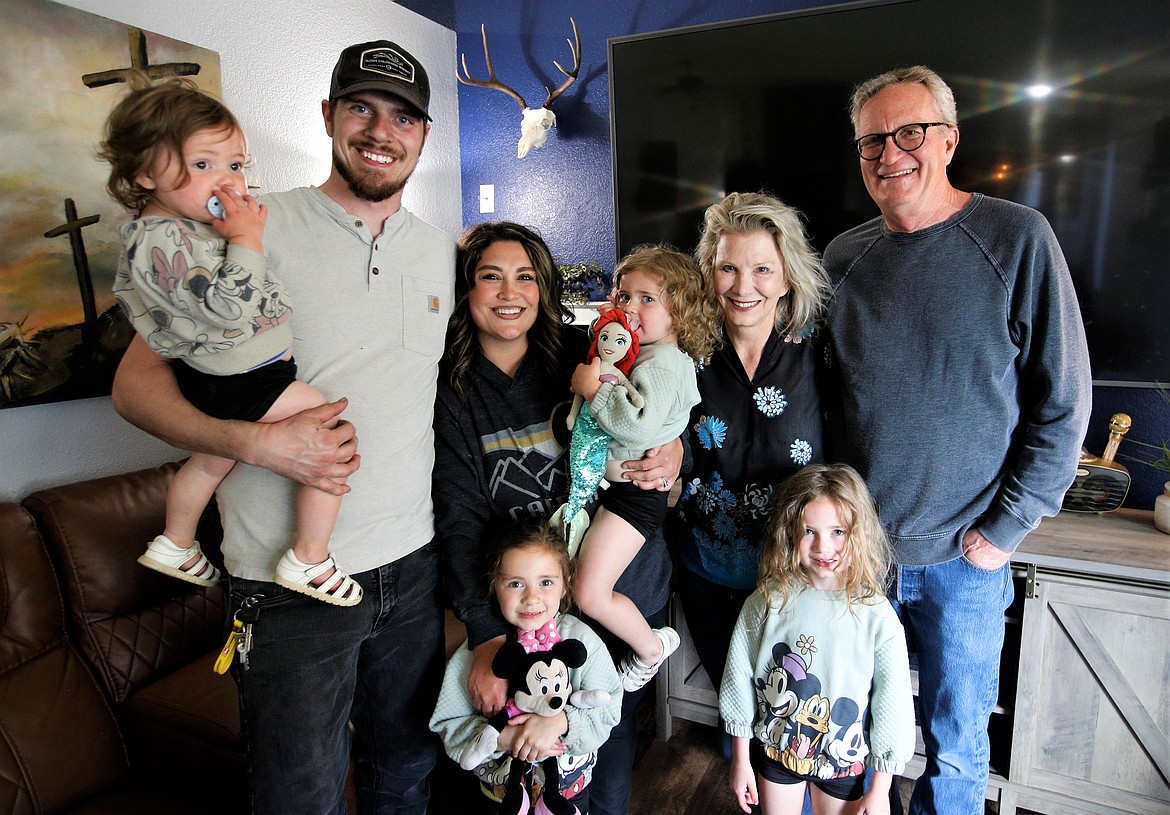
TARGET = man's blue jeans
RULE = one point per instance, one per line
(314, 668)
(954, 611)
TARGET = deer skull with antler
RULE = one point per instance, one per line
(535, 124)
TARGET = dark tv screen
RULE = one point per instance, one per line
(763, 104)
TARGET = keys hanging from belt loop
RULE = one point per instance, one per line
(249, 612)
(244, 645)
(240, 637)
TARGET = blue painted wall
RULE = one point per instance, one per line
(564, 189)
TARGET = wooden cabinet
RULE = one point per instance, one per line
(1084, 714)
(1092, 703)
(682, 688)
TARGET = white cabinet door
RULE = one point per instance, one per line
(1092, 708)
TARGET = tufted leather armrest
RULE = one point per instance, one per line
(133, 624)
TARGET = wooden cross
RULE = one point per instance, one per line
(140, 62)
(73, 226)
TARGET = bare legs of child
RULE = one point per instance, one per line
(176, 552)
(609, 546)
(788, 799)
(307, 567)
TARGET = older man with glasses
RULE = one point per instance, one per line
(965, 392)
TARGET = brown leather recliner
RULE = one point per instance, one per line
(60, 746)
(149, 639)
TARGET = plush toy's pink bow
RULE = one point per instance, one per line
(542, 639)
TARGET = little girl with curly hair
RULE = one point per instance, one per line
(664, 300)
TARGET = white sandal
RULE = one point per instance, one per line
(339, 589)
(164, 555)
(635, 673)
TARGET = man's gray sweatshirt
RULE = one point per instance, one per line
(964, 374)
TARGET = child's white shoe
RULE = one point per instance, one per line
(636, 673)
(339, 589)
(164, 555)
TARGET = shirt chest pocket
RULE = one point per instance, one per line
(425, 310)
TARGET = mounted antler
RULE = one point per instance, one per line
(535, 124)
(575, 49)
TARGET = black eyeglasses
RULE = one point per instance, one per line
(908, 138)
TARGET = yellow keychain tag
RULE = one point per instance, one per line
(228, 653)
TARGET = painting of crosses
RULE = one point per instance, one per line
(61, 71)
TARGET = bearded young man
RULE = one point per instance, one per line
(371, 286)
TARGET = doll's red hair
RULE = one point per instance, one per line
(616, 315)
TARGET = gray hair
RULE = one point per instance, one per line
(944, 98)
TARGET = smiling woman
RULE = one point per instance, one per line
(503, 397)
(504, 303)
(759, 420)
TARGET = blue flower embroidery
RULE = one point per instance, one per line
(724, 498)
(712, 431)
(800, 335)
(713, 498)
(703, 540)
(801, 452)
(723, 525)
(771, 401)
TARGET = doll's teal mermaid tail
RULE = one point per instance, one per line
(586, 469)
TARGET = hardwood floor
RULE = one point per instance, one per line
(684, 775)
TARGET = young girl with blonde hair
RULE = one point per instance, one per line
(667, 305)
(817, 685)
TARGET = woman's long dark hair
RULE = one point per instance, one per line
(546, 335)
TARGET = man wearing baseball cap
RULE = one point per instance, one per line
(371, 286)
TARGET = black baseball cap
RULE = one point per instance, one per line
(381, 66)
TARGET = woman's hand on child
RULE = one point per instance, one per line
(532, 738)
(658, 469)
(488, 691)
(243, 220)
(587, 380)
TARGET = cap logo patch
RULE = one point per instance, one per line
(388, 62)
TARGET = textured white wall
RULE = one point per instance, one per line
(276, 59)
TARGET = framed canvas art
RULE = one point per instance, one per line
(61, 71)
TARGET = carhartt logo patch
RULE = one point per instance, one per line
(388, 62)
(433, 304)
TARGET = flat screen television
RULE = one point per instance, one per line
(1064, 105)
